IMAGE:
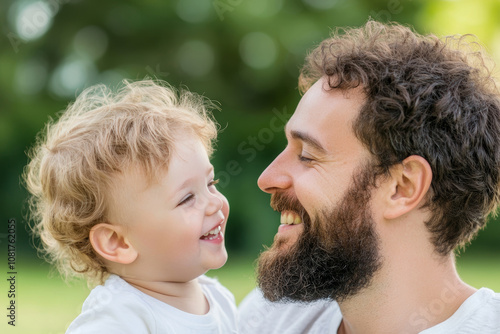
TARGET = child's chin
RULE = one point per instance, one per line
(221, 262)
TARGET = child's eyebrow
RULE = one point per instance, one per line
(186, 182)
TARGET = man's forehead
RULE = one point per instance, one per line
(322, 105)
(324, 117)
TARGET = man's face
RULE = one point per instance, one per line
(326, 246)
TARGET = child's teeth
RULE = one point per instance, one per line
(213, 232)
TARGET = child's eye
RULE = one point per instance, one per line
(190, 197)
(186, 199)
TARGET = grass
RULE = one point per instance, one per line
(480, 270)
(45, 304)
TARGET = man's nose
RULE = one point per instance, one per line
(277, 175)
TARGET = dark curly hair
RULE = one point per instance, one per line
(425, 96)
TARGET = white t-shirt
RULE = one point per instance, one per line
(479, 314)
(118, 308)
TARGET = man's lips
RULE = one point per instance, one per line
(291, 222)
(290, 218)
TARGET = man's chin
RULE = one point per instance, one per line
(271, 267)
(287, 236)
(279, 250)
(305, 268)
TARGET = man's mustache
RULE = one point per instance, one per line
(282, 202)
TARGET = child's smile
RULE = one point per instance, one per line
(175, 223)
(215, 235)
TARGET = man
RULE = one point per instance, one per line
(392, 162)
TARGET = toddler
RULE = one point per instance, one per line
(124, 194)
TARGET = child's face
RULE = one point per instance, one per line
(166, 221)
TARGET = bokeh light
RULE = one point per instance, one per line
(31, 19)
(258, 50)
(194, 11)
(196, 58)
(264, 8)
(321, 4)
(31, 76)
(90, 42)
(71, 76)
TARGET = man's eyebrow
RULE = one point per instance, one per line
(308, 139)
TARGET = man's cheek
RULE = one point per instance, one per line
(314, 195)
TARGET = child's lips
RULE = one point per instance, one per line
(214, 231)
(214, 236)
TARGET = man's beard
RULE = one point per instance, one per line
(336, 255)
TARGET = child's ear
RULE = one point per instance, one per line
(109, 242)
(409, 184)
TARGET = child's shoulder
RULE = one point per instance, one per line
(112, 305)
(215, 290)
(205, 280)
(211, 283)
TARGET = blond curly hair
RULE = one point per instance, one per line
(101, 134)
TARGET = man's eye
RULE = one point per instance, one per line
(186, 199)
(304, 159)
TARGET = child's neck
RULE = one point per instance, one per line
(185, 296)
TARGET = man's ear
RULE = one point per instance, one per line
(109, 242)
(409, 183)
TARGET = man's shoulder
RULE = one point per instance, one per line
(488, 307)
(480, 313)
(257, 315)
(482, 307)
(495, 295)
(492, 297)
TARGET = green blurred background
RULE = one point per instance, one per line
(245, 54)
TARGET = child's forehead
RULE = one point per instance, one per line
(137, 178)
(188, 158)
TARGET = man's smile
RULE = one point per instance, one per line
(289, 221)
(290, 218)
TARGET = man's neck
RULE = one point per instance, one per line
(406, 297)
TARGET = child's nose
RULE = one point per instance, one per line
(214, 204)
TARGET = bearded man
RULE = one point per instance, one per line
(392, 162)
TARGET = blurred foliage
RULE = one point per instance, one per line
(246, 54)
